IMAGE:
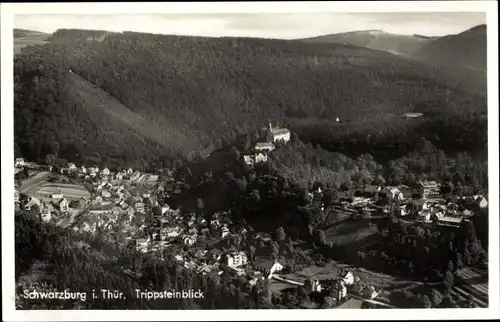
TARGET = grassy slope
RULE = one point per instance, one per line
(466, 49)
(24, 38)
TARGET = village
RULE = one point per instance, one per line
(134, 208)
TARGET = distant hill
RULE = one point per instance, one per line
(24, 38)
(376, 39)
(20, 33)
(139, 99)
(466, 49)
(78, 35)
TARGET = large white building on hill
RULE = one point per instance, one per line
(278, 134)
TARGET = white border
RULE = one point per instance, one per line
(7, 13)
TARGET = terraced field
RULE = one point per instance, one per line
(474, 284)
(70, 191)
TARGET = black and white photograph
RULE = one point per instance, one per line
(287, 159)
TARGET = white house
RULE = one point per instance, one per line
(424, 215)
(369, 292)
(33, 202)
(120, 175)
(83, 169)
(46, 214)
(393, 193)
(401, 211)
(260, 157)
(224, 232)
(19, 163)
(164, 209)
(481, 201)
(135, 176)
(236, 259)
(339, 290)
(268, 146)
(454, 221)
(63, 205)
(189, 240)
(249, 160)
(105, 194)
(57, 196)
(105, 172)
(430, 188)
(268, 267)
(72, 166)
(130, 171)
(139, 207)
(312, 285)
(347, 277)
(142, 244)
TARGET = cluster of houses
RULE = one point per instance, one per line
(430, 208)
(45, 206)
(339, 288)
(173, 228)
(261, 149)
(95, 171)
(117, 207)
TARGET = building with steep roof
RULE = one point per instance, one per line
(278, 134)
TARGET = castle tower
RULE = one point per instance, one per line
(270, 126)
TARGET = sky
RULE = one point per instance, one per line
(267, 25)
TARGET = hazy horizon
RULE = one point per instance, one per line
(266, 25)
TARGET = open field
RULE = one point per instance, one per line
(31, 185)
(341, 230)
(29, 39)
(350, 231)
(387, 283)
(70, 191)
(474, 284)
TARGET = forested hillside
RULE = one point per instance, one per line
(375, 39)
(466, 49)
(204, 91)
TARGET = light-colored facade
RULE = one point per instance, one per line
(278, 134)
(236, 259)
(261, 146)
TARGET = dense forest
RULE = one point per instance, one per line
(140, 99)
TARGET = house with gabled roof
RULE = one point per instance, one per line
(63, 205)
(268, 266)
(278, 134)
(260, 157)
(19, 163)
(236, 259)
(261, 146)
(249, 160)
(32, 202)
(46, 214)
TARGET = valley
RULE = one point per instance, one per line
(346, 170)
